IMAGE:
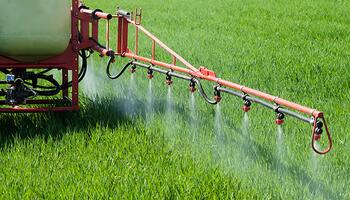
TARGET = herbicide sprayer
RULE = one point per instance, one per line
(42, 36)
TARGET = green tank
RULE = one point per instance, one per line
(33, 30)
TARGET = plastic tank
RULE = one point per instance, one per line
(33, 30)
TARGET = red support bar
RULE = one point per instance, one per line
(161, 44)
(125, 33)
(95, 30)
(38, 110)
(107, 33)
(119, 35)
(174, 60)
(136, 40)
(153, 50)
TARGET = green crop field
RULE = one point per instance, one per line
(133, 140)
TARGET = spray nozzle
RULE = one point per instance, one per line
(192, 86)
(318, 130)
(168, 80)
(280, 118)
(150, 73)
(217, 94)
(247, 105)
(133, 68)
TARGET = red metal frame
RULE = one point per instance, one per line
(68, 61)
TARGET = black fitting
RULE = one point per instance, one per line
(247, 103)
(244, 97)
(111, 54)
(168, 79)
(280, 116)
(217, 94)
(133, 68)
(318, 129)
(319, 124)
(94, 14)
(192, 83)
(150, 71)
(82, 6)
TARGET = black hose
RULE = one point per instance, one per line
(48, 92)
(5, 71)
(202, 92)
(99, 44)
(120, 73)
(45, 71)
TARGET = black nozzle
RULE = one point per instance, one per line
(150, 73)
(192, 86)
(168, 79)
(133, 68)
(247, 103)
(319, 129)
(217, 94)
(280, 116)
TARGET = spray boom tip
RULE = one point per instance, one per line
(150, 76)
(246, 108)
(317, 137)
(192, 89)
(192, 86)
(279, 121)
(217, 98)
(169, 82)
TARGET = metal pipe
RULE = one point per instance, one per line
(124, 13)
(296, 115)
(266, 104)
(170, 73)
(96, 13)
(165, 47)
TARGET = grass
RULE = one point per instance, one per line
(294, 49)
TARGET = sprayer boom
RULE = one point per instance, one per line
(280, 106)
(85, 40)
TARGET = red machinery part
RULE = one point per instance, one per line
(246, 108)
(279, 121)
(316, 137)
(205, 74)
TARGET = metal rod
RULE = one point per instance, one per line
(161, 44)
(293, 114)
(180, 76)
(153, 50)
(124, 13)
(107, 33)
(267, 105)
(136, 40)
